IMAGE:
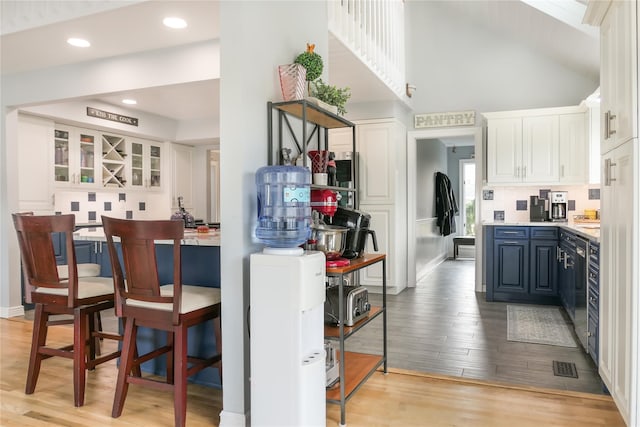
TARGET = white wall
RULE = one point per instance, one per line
(430, 246)
(255, 37)
(458, 64)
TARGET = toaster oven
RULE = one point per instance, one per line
(355, 302)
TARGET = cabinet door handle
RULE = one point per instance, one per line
(562, 171)
(612, 131)
(608, 129)
(608, 164)
(507, 242)
(510, 232)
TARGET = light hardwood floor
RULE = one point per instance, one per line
(400, 398)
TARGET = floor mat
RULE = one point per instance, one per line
(538, 325)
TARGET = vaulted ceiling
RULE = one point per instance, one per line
(33, 38)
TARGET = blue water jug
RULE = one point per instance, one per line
(284, 206)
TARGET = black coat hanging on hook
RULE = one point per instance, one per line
(446, 206)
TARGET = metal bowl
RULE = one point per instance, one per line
(330, 239)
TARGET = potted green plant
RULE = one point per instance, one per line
(311, 61)
(331, 95)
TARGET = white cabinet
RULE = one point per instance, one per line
(541, 146)
(146, 165)
(341, 140)
(114, 166)
(84, 158)
(76, 157)
(380, 146)
(574, 148)
(35, 182)
(504, 149)
(382, 152)
(619, 296)
(618, 74)
(540, 149)
(522, 149)
(182, 166)
(618, 364)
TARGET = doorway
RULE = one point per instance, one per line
(413, 226)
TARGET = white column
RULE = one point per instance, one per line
(255, 37)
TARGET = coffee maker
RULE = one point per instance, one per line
(537, 209)
(558, 205)
(357, 223)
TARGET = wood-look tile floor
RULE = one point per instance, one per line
(443, 326)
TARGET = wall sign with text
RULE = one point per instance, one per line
(94, 112)
(448, 119)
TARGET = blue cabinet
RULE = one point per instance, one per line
(544, 272)
(510, 266)
(521, 264)
(201, 267)
(86, 251)
(59, 248)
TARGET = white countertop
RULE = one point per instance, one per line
(588, 231)
(191, 237)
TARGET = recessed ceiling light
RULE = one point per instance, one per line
(78, 42)
(129, 101)
(174, 22)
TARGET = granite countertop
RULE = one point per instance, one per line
(589, 231)
(191, 237)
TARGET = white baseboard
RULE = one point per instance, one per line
(7, 312)
(427, 269)
(234, 419)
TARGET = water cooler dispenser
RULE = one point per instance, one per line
(286, 324)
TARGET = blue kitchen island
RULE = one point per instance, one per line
(200, 266)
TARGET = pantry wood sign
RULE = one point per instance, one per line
(448, 119)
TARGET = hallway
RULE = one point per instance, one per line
(444, 327)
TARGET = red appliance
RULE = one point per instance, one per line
(324, 202)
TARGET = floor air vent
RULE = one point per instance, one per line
(565, 369)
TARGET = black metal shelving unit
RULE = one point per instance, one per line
(307, 126)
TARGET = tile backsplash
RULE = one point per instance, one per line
(89, 206)
(507, 202)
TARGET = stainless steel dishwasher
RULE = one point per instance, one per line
(581, 268)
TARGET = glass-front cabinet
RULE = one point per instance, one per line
(74, 157)
(89, 158)
(61, 156)
(145, 165)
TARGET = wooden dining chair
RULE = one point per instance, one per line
(141, 300)
(80, 298)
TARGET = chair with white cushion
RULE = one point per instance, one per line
(142, 301)
(53, 295)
